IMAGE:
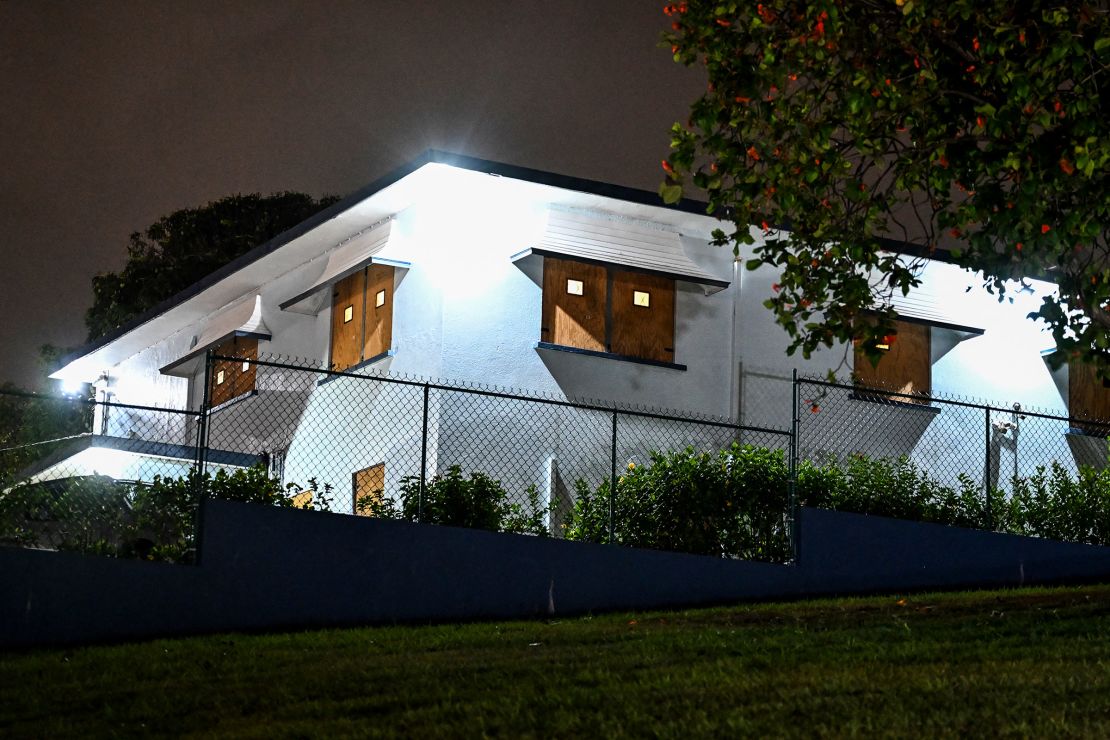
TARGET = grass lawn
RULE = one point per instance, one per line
(1025, 662)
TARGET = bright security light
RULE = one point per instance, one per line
(348, 314)
(72, 387)
(379, 299)
(574, 287)
(641, 298)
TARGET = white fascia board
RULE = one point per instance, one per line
(431, 178)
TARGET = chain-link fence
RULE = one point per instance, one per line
(125, 480)
(97, 477)
(465, 455)
(954, 461)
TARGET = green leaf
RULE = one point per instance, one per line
(670, 192)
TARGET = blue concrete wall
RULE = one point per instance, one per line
(268, 568)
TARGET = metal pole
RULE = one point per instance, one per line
(987, 468)
(792, 485)
(423, 460)
(613, 478)
(202, 456)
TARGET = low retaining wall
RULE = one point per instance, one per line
(269, 568)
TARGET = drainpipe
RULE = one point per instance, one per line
(734, 399)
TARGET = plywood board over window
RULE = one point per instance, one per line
(906, 367)
(574, 298)
(367, 487)
(347, 314)
(362, 316)
(378, 333)
(643, 316)
(233, 378)
(1088, 398)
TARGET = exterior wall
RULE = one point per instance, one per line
(464, 312)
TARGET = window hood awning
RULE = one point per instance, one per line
(241, 320)
(620, 243)
(925, 307)
(369, 247)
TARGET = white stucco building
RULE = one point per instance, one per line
(473, 271)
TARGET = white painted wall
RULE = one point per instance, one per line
(465, 313)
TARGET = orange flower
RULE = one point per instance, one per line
(1045, 228)
(1067, 166)
(667, 167)
(753, 153)
(723, 23)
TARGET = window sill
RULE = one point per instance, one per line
(608, 355)
(233, 401)
(884, 400)
(355, 368)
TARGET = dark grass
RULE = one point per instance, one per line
(1032, 662)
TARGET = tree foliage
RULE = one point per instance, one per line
(185, 246)
(978, 127)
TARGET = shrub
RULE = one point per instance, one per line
(731, 503)
(154, 521)
(477, 502)
(894, 488)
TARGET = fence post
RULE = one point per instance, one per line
(612, 477)
(987, 467)
(792, 485)
(423, 459)
(202, 457)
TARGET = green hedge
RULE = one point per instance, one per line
(731, 503)
(477, 501)
(734, 503)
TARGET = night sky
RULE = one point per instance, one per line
(118, 113)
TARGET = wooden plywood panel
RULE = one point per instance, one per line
(644, 331)
(379, 319)
(233, 378)
(347, 313)
(1088, 398)
(367, 485)
(569, 319)
(906, 367)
